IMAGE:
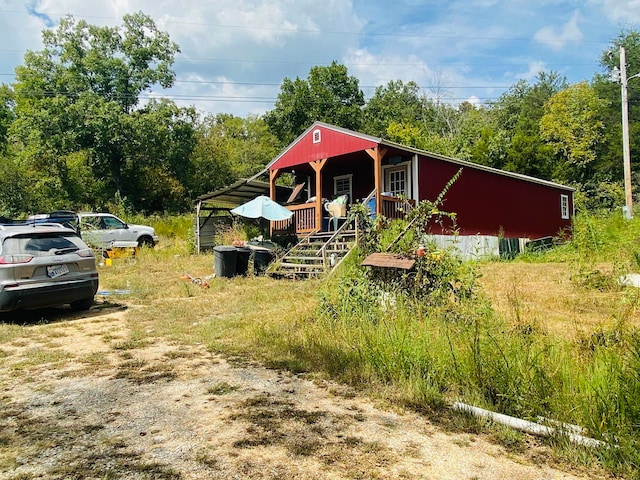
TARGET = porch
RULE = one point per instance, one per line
(305, 216)
(328, 163)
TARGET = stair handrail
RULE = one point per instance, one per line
(365, 201)
(337, 232)
(370, 196)
(274, 264)
(323, 249)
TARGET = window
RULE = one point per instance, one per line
(112, 223)
(342, 185)
(564, 206)
(316, 136)
(42, 245)
(396, 181)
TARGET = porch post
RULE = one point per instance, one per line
(377, 154)
(273, 174)
(317, 166)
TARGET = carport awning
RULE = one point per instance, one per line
(241, 192)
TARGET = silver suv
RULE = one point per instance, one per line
(45, 265)
(102, 230)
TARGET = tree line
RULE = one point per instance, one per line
(74, 133)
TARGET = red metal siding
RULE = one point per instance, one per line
(489, 204)
(332, 144)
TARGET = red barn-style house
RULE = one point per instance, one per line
(333, 161)
(329, 161)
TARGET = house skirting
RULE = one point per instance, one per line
(479, 247)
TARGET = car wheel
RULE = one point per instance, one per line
(145, 242)
(80, 305)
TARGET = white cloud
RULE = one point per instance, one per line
(621, 11)
(248, 43)
(473, 100)
(441, 83)
(235, 51)
(558, 38)
(375, 70)
(530, 74)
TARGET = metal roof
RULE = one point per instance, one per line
(241, 192)
(387, 143)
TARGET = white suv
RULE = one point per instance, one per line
(101, 230)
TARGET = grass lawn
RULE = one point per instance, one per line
(277, 322)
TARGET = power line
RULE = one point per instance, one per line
(205, 98)
(328, 32)
(262, 84)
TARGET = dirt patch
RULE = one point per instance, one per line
(102, 405)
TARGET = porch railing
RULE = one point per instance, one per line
(394, 207)
(303, 220)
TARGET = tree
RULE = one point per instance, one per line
(7, 115)
(116, 64)
(517, 116)
(14, 192)
(572, 125)
(396, 102)
(78, 110)
(158, 165)
(329, 94)
(230, 148)
(609, 165)
(477, 137)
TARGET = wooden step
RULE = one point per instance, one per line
(313, 256)
(304, 266)
(288, 258)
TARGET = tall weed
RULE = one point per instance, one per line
(596, 238)
(431, 338)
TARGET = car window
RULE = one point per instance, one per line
(94, 222)
(112, 223)
(41, 244)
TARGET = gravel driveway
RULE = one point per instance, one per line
(79, 399)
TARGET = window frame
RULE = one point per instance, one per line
(404, 166)
(348, 177)
(564, 206)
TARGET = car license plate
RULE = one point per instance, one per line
(57, 270)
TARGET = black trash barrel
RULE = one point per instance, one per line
(224, 261)
(261, 260)
(242, 260)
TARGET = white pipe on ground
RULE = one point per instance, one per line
(527, 426)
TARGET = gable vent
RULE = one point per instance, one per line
(316, 136)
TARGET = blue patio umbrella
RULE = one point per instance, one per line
(263, 207)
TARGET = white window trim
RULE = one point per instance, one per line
(564, 206)
(342, 177)
(317, 135)
(399, 166)
(414, 174)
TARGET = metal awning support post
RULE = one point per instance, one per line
(198, 226)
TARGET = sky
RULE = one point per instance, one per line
(235, 53)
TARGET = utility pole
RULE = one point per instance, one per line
(621, 75)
